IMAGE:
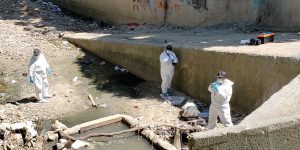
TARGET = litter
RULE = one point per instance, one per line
(266, 37)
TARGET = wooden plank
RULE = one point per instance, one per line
(96, 123)
(92, 101)
(177, 139)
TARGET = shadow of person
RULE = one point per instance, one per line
(25, 100)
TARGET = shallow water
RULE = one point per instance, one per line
(130, 141)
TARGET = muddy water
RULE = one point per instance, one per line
(130, 141)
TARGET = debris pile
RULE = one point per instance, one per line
(55, 135)
(20, 134)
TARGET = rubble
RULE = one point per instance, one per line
(16, 135)
(79, 144)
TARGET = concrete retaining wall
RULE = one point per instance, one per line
(178, 12)
(256, 77)
(281, 15)
(277, 134)
(271, 14)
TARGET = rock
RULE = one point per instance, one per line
(18, 126)
(190, 110)
(58, 126)
(78, 144)
(13, 81)
(60, 145)
(2, 95)
(52, 136)
(24, 74)
(5, 126)
(19, 139)
(63, 141)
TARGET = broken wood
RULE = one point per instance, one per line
(156, 140)
(92, 100)
(111, 134)
(177, 139)
(94, 124)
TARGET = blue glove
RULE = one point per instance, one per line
(49, 71)
(215, 86)
(31, 79)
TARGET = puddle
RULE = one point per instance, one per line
(130, 141)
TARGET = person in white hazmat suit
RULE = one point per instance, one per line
(38, 69)
(168, 60)
(221, 92)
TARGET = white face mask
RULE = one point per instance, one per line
(220, 81)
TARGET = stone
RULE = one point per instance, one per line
(18, 126)
(63, 141)
(190, 110)
(78, 144)
(2, 95)
(60, 145)
(52, 136)
(58, 126)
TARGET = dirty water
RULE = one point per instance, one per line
(130, 141)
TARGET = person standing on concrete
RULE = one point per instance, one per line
(168, 60)
(221, 92)
(38, 69)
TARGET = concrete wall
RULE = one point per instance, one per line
(270, 14)
(256, 77)
(277, 134)
(284, 103)
(178, 12)
(281, 15)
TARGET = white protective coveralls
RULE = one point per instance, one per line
(220, 104)
(38, 70)
(167, 69)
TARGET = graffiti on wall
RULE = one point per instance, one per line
(171, 5)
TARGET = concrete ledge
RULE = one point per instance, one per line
(283, 133)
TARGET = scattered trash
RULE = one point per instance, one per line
(24, 74)
(244, 42)
(102, 63)
(204, 114)
(266, 37)
(86, 62)
(250, 42)
(13, 81)
(103, 105)
(65, 42)
(117, 68)
(75, 79)
(175, 100)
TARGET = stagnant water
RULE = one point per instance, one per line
(130, 141)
